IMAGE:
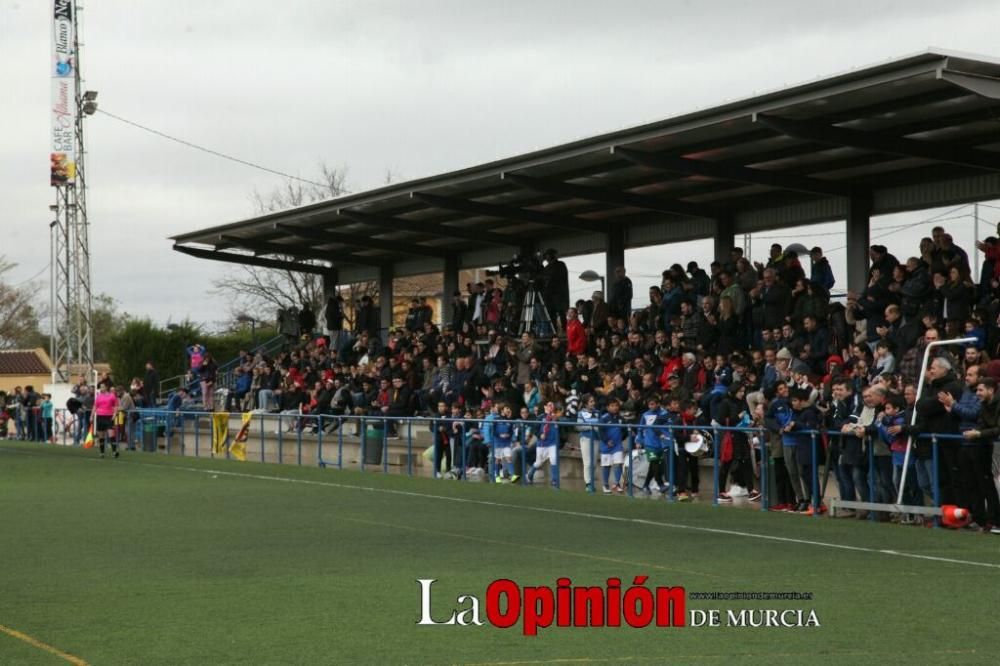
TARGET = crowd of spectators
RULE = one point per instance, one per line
(743, 344)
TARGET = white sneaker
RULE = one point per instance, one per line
(606, 490)
(738, 491)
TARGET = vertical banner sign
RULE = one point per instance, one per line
(63, 71)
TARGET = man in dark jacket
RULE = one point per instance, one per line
(933, 418)
(620, 295)
(150, 385)
(976, 462)
(556, 291)
(847, 452)
(367, 317)
(775, 298)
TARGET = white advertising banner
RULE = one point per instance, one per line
(62, 158)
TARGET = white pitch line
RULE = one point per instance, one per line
(584, 514)
(564, 512)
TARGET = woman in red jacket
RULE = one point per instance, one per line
(576, 336)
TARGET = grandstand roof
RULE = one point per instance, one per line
(916, 132)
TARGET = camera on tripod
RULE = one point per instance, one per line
(526, 268)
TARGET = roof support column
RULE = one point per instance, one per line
(614, 254)
(385, 300)
(450, 287)
(725, 230)
(858, 240)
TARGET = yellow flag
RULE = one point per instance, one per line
(220, 432)
(238, 449)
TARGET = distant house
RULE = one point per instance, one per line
(24, 367)
(33, 367)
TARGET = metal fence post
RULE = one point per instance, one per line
(298, 438)
(363, 440)
(715, 466)
(197, 434)
(463, 464)
(319, 441)
(409, 447)
(522, 436)
(385, 447)
(631, 464)
(872, 492)
(555, 472)
(671, 474)
(281, 440)
(340, 442)
(815, 476)
(765, 462)
(262, 436)
(935, 478)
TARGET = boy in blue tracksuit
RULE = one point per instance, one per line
(799, 445)
(612, 451)
(656, 441)
(503, 435)
(547, 448)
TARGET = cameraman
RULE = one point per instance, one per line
(555, 291)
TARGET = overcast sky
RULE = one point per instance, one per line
(415, 87)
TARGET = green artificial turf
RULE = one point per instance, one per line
(149, 559)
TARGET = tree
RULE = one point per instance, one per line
(261, 292)
(19, 321)
(106, 321)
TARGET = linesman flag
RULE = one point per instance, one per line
(88, 443)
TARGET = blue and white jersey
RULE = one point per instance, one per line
(612, 434)
(654, 438)
(587, 416)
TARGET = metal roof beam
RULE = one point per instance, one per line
(895, 145)
(253, 261)
(306, 253)
(514, 213)
(431, 229)
(366, 242)
(735, 172)
(613, 197)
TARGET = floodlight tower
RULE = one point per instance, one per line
(72, 342)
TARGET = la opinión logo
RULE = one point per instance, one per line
(538, 607)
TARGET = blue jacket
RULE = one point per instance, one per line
(587, 416)
(822, 274)
(243, 383)
(967, 410)
(612, 434)
(778, 414)
(655, 439)
(502, 434)
(805, 419)
(487, 428)
(548, 433)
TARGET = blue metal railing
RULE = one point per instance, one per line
(461, 445)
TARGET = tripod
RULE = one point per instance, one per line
(534, 316)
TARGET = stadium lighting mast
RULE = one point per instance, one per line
(72, 343)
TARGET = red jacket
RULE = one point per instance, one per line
(576, 338)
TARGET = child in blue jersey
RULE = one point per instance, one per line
(612, 451)
(656, 441)
(503, 436)
(893, 416)
(547, 449)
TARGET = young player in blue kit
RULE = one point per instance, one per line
(503, 435)
(611, 435)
